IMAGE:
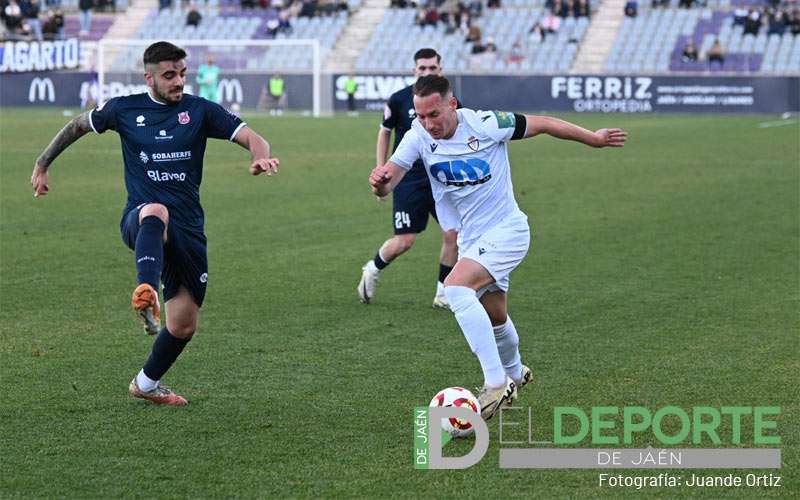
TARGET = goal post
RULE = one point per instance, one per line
(246, 67)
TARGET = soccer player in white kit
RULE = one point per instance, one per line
(465, 154)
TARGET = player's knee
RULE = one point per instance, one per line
(459, 297)
(498, 318)
(184, 330)
(154, 209)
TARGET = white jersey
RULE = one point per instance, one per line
(469, 173)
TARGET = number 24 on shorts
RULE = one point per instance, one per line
(402, 219)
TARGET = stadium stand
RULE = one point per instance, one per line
(654, 41)
(506, 42)
(227, 20)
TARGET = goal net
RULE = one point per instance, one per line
(245, 70)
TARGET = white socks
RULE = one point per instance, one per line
(372, 267)
(508, 348)
(477, 328)
(439, 288)
(145, 383)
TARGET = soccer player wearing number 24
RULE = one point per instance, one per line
(465, 154)
(163, 134)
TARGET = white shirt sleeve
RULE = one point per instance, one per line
(408, 151)
(499, 125)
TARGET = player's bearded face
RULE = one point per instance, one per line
(437, 115)
(427, 66)
(167, 80)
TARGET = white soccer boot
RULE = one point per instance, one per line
(527, 376)
(492, 399)
(368, 283)
(440, 299)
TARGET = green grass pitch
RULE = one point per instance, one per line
(665, 273)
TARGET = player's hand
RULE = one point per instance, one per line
(379, 176)
(610, 138)
(268, 166)
(39, 181)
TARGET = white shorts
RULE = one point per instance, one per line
(500, 250)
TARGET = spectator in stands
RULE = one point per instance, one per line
(565, 8)
(685, 4)
(753, 22)
(551, 23)
(247, 4)
(690, 52)
(493, 4)
(308, 9)
(516, 55)
(715, 54)
(631, 8)
(583, 9)
(777, 23)
(794, 22)
(659, 3)
(53, 28)
(739, 16)
(475, 8)
(474, 34)
(490, 45)
(13, 18)
(30, 10)
(85, 7)
(164, 4)
(536, 34)
(194, 17)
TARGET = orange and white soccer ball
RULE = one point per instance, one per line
(458, 397)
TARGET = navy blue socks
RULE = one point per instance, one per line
(166, 350)
(443, 272)
(150, 251)
(379, 262)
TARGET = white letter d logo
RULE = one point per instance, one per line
(437, 461)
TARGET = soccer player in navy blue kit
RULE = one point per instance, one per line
(412, 201)
(163, 134)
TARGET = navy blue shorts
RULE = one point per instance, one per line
(412, 202)
(185, 257)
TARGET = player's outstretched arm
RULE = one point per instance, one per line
(383, 179)
(259, 152)
(604, 137)
(382, 146)
(72, 131)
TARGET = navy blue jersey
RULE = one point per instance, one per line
(398, 115)
(163, 148)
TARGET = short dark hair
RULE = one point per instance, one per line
(432, 84)
(163, 51)
(427, 54)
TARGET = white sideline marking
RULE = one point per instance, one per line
(777, 123)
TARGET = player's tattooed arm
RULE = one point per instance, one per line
(604, 137)
(72, 131)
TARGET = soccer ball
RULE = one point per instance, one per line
(459, 397)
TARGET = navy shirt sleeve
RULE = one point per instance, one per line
(219, 123)
(390, 113)
(104, 117)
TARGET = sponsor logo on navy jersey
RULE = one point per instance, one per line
(159, 176)
(172, 156)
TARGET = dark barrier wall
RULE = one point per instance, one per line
(71, 89)
(627, 94)
(631, 94)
